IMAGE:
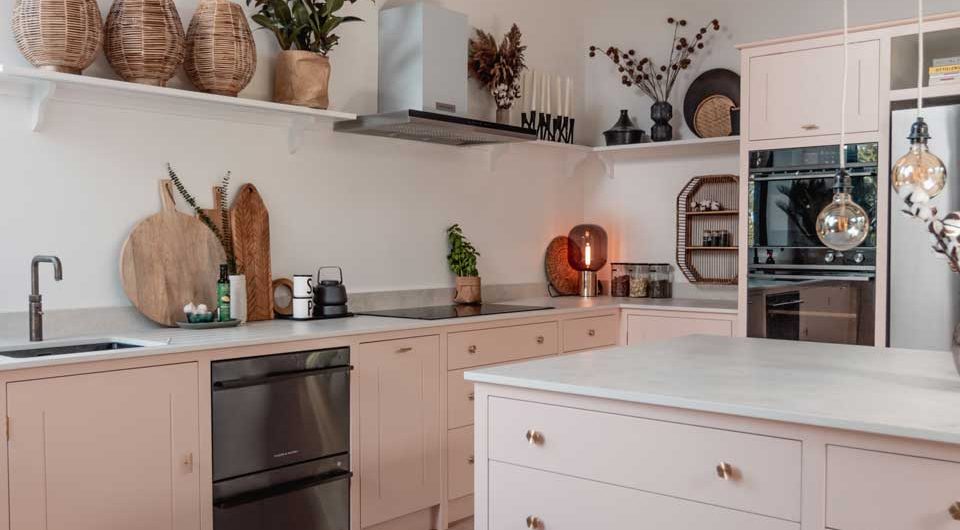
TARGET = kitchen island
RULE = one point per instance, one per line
(721, 433)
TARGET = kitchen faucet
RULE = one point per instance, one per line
(36, 303)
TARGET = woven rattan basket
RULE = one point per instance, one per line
(144, 40)
(712, 118)
(58, 35)
(221, 56)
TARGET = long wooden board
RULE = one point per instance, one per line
(169, 260)
(251, 243)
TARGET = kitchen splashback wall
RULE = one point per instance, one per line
(377, 207)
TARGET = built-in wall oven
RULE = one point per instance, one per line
(798, 289)
(281, 441)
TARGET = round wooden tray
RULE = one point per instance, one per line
(562, 277)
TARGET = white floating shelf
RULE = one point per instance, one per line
(40, 87)
(731, 143)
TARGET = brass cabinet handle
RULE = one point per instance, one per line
(810, 127)
(470, 396)
(955, 511)
(405, 349)
(592, 332)
(540, 339)
(472, 349)
(188, 462)
(534, 437)
(725, 471)
(470, 460)
(534, 522)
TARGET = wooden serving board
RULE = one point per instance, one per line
(251, 244)
(169, 260)
(561, 276)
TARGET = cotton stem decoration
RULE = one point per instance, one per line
(498, 68)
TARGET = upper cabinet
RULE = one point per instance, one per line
(797, 94)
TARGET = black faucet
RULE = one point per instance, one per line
(36, 301)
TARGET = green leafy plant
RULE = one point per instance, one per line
(463, 255)
(224, 235)
(305, 25)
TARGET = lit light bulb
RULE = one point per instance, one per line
(843, 224)
(919, 168)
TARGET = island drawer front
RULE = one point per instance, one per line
(565, 503)
(869, 490)
(661, 457)
(467, 349)
(460, 462)
(589, 333)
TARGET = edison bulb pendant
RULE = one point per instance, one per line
(843, 225)
(919, 168)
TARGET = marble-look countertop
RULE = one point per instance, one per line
(166, 341)
(913, 394)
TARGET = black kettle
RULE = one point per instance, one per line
(330, 292)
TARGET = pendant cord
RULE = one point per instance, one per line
(920, 57)
(843, 93)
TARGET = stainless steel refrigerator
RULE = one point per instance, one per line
(924, 294)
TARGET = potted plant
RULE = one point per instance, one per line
(305, 32)
(497, 68)
(463, 262)
(655, 81)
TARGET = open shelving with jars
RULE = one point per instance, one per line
(707, 247)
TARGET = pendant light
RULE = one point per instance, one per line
(843, 224)
(919, 169)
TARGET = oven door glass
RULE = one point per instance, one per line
(784, 209)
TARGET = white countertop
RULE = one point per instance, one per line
(914, 394)
(175, 340)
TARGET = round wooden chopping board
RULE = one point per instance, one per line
(169, 260)
(562, 277)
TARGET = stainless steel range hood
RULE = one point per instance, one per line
(435, 127)
(423, 82)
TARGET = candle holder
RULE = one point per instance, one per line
(549, 128)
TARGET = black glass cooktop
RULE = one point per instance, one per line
(442, 312)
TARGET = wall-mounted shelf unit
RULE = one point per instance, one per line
(39, 87)
(700, 263)
(690, 147)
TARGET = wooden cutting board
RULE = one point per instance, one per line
(251, 244)
(563, 278)
(169, 260)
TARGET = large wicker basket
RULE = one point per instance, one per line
(221, 56)
(145, 41)
(58, 35)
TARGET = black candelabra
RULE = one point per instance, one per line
(549, 128)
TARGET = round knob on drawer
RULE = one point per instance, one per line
(535, 437)
(540, 339)
(470, 460)
(534, 522)
(955, 511)
(725, 471)
(470, 396)
(592, 332)
(472, 349)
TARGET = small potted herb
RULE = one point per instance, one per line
(463, 262)
(305, 32)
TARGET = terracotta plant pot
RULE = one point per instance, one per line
(302, 78)
(468, 290)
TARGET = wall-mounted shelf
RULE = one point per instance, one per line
(714, 248)
(39, 87)
(696, 146)
(939, 91)
(722, 212)
(700, 263)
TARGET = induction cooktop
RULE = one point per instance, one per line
(442, 312)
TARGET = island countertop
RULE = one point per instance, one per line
(907, 393)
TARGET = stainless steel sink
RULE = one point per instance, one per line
(45, 349)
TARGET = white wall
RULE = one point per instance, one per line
(374, 206)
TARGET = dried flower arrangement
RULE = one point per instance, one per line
(498, 68)
(658, 81)
(224, 234)
(944, 232)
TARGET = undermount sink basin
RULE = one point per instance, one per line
(45, 349)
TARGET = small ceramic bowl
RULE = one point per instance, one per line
(199, 318)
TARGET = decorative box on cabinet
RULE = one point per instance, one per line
(115, 449)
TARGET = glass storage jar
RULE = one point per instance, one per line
(620, 279)
(661, 280)
(639, 281)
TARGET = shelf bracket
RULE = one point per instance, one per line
(296, 131)
(39, 98)
(609, 165)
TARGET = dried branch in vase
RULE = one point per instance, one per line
(655, 81)
(497, 68)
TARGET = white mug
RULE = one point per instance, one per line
(302, 307)
(302, 286)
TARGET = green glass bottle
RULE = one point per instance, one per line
(223, 294)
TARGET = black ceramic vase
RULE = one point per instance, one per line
(624, 131)
(661, 112)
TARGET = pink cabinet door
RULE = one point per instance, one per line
(399, 407)
(797, 94)
(107, 450)
(460, 462)
(642, 329)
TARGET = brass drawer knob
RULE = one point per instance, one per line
(810, 126)
(534, 437)
(592, 332)
(540, 339)
(471, 396)
(470, 460)
(725, 471)
(472, 349)
(534, 522)
(955, 511)
(405, 349)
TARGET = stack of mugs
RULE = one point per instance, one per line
(303, 296)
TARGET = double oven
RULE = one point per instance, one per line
(798, 289)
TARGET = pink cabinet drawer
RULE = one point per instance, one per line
(466, 349)
(869, 490)
(673, 459)
(459, 400)
(460, 462)
(589, 333)
(527, 498)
